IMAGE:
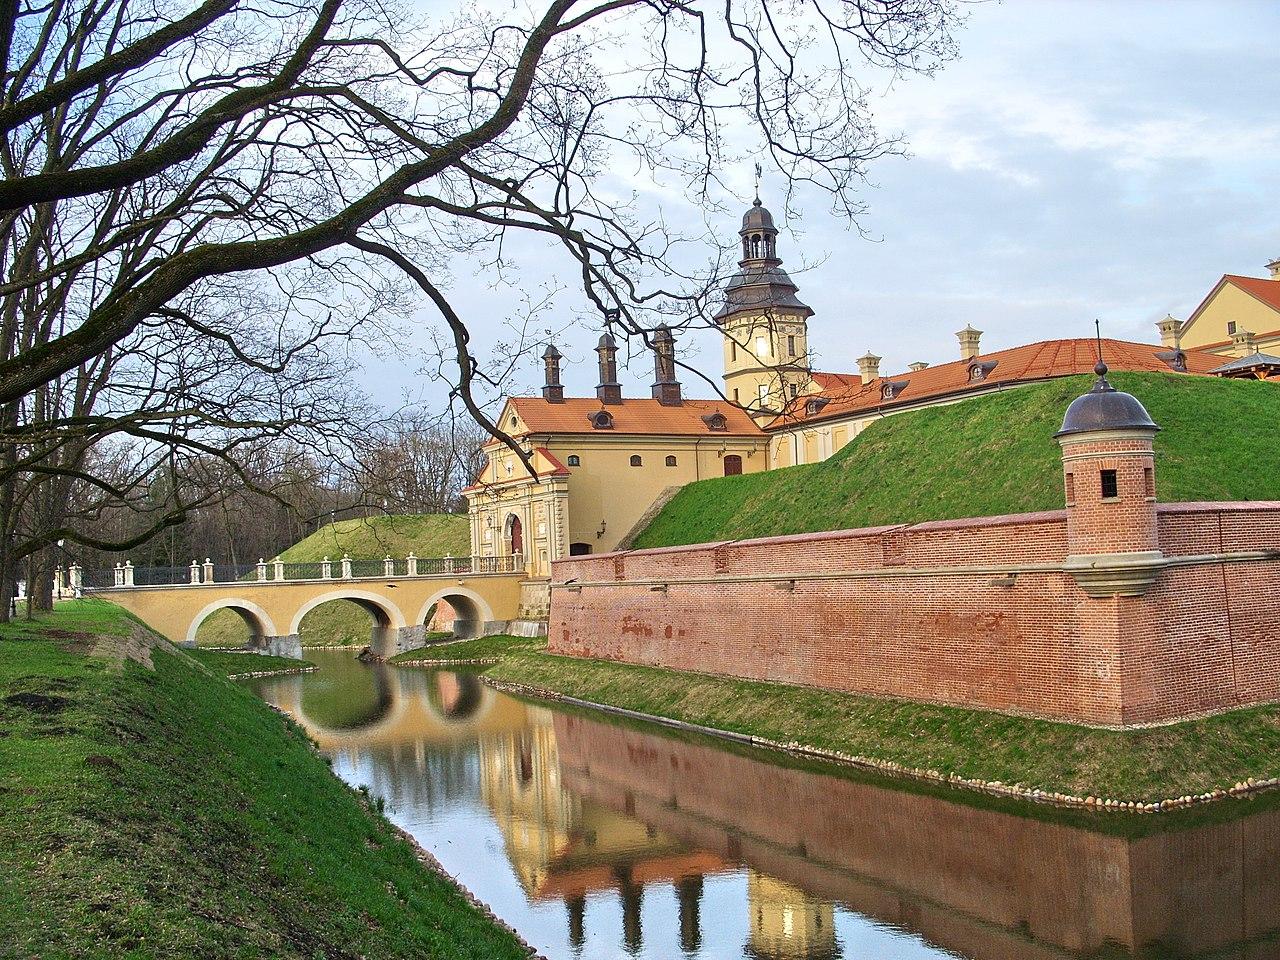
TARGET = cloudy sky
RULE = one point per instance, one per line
(1079, 160)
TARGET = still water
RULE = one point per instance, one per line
(599, 839)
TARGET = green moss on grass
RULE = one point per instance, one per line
(987, 456)
(1154, 764)
(170, 813)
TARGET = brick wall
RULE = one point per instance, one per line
(967, 612)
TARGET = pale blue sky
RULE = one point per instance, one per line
(1079, 160)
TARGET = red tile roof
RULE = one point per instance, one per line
(846, 394)
(639, 415)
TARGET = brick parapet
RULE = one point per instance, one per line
(971, 612)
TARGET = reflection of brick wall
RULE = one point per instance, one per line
(977, 882)
(931, 613)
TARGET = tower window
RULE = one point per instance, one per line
(671, 461)
(735, 396)
(791, 346)
(574, 460)
(1231, 326)
(762, 393)
(635, 460)
(795, 390)
(762, 346)
(1149, 482)
(733, 351)
(1110, 485)
(1071, 488)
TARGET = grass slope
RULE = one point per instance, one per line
(341, 623)
(987, 456)
(1149, 765)
(168, 812)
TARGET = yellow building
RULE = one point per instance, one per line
(601, 463)
(1239, 318)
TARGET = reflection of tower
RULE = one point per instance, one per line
(787, 923)
(577, 907)
(689, 897)
(632, 894)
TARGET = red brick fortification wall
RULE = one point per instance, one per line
(978, 882)
(971, 612)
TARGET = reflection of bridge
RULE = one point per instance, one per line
(483, 595)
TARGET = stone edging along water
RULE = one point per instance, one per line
(282, 672)
(476, 662)
(994, 787)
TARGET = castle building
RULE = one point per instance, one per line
(1240, 320)
(598, 468)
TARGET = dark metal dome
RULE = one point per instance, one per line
(607, 342)
(551, 353)
(1105, 408)
(758, 218)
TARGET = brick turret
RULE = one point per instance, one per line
(1108, 463)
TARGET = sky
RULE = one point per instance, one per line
(1079, 160)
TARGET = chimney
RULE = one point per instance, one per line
(968, 338)
(1243, 343)
(608, 390)
(666, 388)
(1170, 331)
(869, 367)
(1274, 267)
(917, 366)
(552, 389)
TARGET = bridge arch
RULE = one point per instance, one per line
(384, 612)
(257, 619)
(472, 610)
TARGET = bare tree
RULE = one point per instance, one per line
(184, 180)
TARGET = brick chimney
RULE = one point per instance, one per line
(1274, 267)
(869, 366)
(917, 366)
(968, 338)
(608, 390)
(666, 388)
(1170, 330)
(552, 389)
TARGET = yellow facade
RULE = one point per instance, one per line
(590, 493)
(766, 361)
(1231, 310)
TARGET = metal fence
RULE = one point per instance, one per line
(127, 575)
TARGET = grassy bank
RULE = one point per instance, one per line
(986, 456)
(342, 623)
(162, 811)
(1150, 765)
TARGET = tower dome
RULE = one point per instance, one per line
(757, 217)
(760, 285)
(1105, 408)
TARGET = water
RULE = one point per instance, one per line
(599, 839)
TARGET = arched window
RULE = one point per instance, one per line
(574, 460)
(671, 461)
(635, 460)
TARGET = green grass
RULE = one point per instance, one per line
(987, 456)
(342, 623)
(1155, 764)
(168, 812)
(230, 664)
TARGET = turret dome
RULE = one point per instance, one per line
(758, 217)
(1105, 408)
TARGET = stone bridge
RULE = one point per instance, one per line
(481, 593)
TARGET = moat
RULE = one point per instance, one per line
(598, 839)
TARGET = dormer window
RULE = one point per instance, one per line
(979, 370)
(892, 389)
(716, 421)
(601, 420)
(814, 406)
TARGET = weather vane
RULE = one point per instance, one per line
(759, 174)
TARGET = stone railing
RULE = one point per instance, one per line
(126, 575)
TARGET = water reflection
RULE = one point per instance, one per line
(602, 840)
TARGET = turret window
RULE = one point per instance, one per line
(1110, 485)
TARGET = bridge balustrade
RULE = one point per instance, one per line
(125, 575)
